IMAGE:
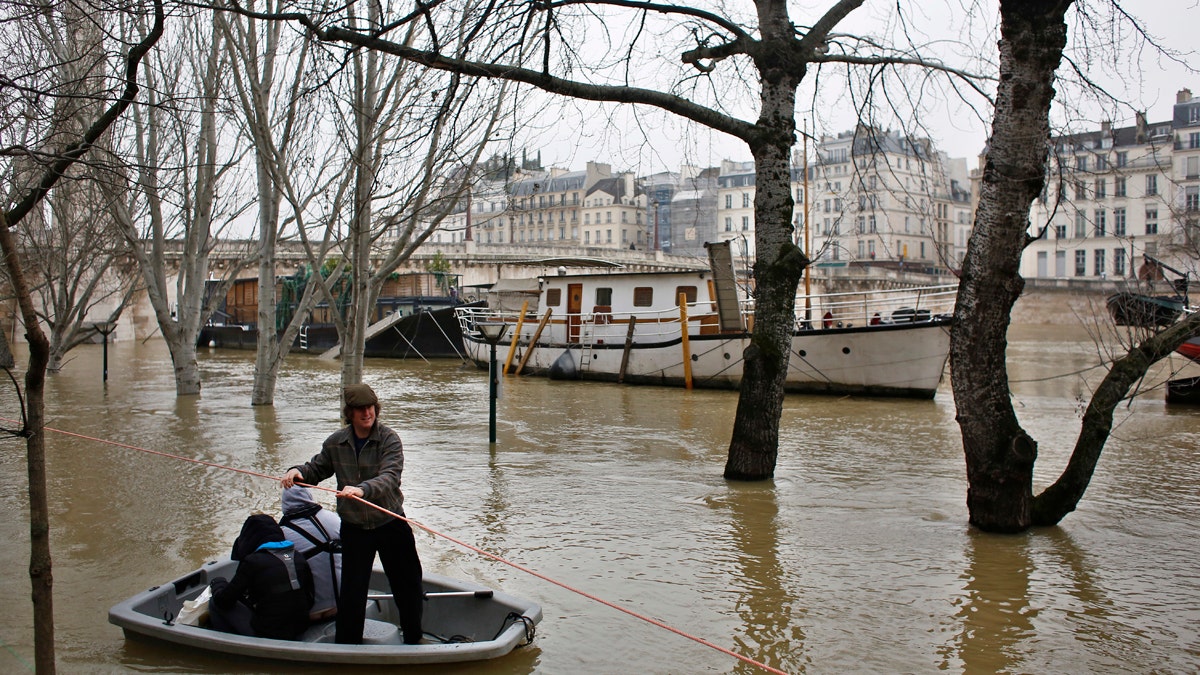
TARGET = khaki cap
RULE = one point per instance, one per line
(359, 396)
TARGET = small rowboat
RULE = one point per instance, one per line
(463, 621)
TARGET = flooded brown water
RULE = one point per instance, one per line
(857, 557)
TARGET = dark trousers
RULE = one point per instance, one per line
(397, 551)
(236, 619)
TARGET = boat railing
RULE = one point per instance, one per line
(815, 312)
(870, 308)
(592, 327)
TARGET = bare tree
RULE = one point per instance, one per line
(1000, 455)
(72, 258)
(550, 46)
(182, 190)
(269, 70)
(48, 153)
(83, 270)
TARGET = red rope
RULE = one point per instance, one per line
(476, 549)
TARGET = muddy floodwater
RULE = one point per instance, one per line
(857, 557)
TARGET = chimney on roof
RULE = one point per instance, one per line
(1140, 134)
(1183, 96)
(1105, 127)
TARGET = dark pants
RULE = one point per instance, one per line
(398, 552)
(236, 619)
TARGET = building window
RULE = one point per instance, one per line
(1099, 263)
(862, 248)
(1080, 191)
(1060, 231)
(1151, 185)
(604, 296)
(745, 200)
(1080, 225)
(1101, 162)
(553, 297)
(1119, 262)
(608, 236)
(1191, 199)
(1151, 220)
(1080, 263)
(689, 293)
(643, 296)
(871, 224)
(1191, 167)
(1101, 222)
(729, 224)
(1101, 190)
(1081, 162)
(1122, 159)
(1194, 140)
(745, 223)
(862, 225)
(729, 201)
(1119, 187)
(1118, 225)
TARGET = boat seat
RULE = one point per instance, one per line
(374, 633)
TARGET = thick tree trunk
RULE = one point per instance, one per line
(267, 355)
(999, 454)
(185, 363)
(778, 263)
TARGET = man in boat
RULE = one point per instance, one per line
(272, 590)
(316, 534)
(367, 458)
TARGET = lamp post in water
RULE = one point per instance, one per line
(105, 328)
(492, 332)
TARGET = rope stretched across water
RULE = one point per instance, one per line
(476, 549)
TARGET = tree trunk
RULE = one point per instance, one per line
(778, 263)
(41, 578)
(999, 454)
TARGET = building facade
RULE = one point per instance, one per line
(878, 197)
(1116, 194)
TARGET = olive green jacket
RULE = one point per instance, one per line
(375, 470)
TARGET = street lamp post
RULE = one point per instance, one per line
(105, 328)
(492, 332)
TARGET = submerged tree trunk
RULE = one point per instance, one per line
(778, 262)
(40, 576)
(999, 454)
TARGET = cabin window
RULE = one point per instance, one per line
(643, 296)
(604, 296)
(553, 297)
(689, 291)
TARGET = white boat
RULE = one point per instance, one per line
(625, 327)
(462, 621)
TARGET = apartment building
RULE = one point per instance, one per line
(735, 209)
(614, 210)
(1117, 193)
(882, 198)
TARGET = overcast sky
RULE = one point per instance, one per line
(1138, 76)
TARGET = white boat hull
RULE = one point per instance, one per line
(888, 360)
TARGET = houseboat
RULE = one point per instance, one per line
(413, 317)
(691, 329)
